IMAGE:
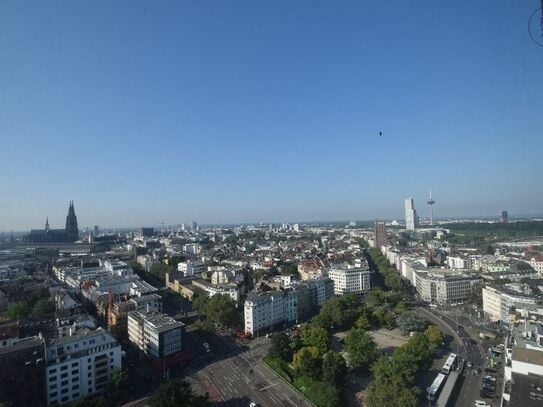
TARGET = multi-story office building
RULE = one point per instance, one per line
(147, 232)
(155, 334)
(411, 217)
(498, 301)
(22, 375)
(445, 286)
(380, 232)
(349, 278)
(80, 365)
(118, 313)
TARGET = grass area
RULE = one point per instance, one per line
(279, 366)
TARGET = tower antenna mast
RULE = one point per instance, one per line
(430, 203)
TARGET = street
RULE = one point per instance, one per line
(239, 377)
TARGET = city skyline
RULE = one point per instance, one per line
(267, 112)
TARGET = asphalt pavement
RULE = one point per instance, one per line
(238, 377)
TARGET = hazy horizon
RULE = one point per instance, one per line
(237, 112)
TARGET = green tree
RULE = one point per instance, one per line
(116, 385)
(390, 392)
(313, 335)
(434, 335)
(160, 269)
(200, 300)
(19, 310)
(411, 321)
(363, 322)
(280, 346)
(221, 309)
(323, 395)
(338, 312)
(42, 307)
(288, 268)
(476, 295)
(176, 393)
(361, 347)
(307, 362)
(393, 383)
(490, 250)
(334, 368)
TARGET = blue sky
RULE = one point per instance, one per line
(230, 111)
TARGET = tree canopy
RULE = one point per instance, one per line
(360, 346)
(307, 362)
(280, 346)
(177, 393)
(411, 321)
(317, 336)
(334, 368)
(221, 309)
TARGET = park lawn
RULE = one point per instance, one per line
(279, 366)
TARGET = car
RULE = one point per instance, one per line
(481, 403)
(485, 395)
(469, 363)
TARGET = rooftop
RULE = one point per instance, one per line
(526, 391)
(160, 322)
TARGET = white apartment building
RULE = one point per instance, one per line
(264, 310)
(457, 262)
(80, 365)
(445, 286)
(497, 301)
(191, 267)
(350, 278)
(155, 334)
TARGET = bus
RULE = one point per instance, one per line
(434, 389)
(450, 364)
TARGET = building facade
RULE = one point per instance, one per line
(381, 236)
(350, 279)
(444, 286)
(155, 334)
(79, 365)
(498, 301)
(22, 375)
(411, 217)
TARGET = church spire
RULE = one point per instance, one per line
(72, 231)
(47, 223)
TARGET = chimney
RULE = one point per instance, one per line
(148, 307)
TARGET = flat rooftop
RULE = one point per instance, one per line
(526, 391)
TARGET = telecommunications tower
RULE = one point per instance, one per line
(430, 203)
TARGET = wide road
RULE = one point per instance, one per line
(468, 349)
(240, 377)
